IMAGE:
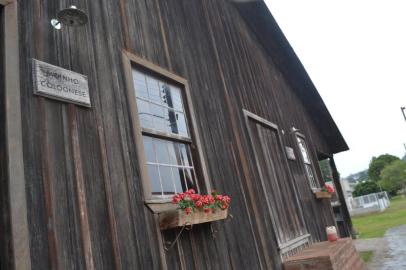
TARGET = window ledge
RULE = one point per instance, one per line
(160, 205)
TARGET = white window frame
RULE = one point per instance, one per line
(315, 188)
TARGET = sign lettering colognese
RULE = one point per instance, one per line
(59, 83)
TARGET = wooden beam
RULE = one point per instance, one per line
(18, 203)
(6, 2)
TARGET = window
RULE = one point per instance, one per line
(307, 161)
(166, 136)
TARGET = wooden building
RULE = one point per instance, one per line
(183, 93)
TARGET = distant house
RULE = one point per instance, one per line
(101, 124)
(348, 188)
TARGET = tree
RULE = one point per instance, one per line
(377, 164)
(365, 188)
(394, 177)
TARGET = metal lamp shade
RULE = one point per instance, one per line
(72, 16)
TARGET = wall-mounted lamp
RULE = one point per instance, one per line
(294, 130)
(71, 16)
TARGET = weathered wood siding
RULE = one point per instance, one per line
(5, 247)
(85, 201)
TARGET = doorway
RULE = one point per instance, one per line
(278, 185)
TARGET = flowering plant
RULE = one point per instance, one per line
(328, 188)
(189, 201)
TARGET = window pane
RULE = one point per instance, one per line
(176, 98)
(161, 149)
(173, 161)
(172, 124)
(144, 114)
(172, 149)
(140, 84)
(154, 178)
(184, 155)
(158, 114)
(153, 90)
(181, 123)
(310, 175)
(303, 150)
(189, 178)
(166, 94)
(179, 183)
(167, 180)
(149, 149)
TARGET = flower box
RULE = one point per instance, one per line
(323, 195)
(179, 218)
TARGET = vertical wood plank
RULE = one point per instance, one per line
(14, 135)
(85, 230)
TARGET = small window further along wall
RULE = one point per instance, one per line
(307, 162)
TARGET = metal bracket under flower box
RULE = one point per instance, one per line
(179, 218)
(323, 195)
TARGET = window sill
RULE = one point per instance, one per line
(160, 205)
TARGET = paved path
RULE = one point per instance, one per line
(389, 251)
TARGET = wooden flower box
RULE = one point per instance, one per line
(323, 195)
(178, 218)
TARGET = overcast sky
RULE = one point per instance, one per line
(355, 53)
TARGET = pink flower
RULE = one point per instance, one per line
(195, 197)
(226, 199)
(176, 199)
(191, 191)
(188, 210)
(329, 188)
(211, 199)
(198, 204)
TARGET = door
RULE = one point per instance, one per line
(277, 183)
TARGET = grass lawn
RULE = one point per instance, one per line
(375, 225)
(366, 255)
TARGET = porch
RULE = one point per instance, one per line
(339, 255)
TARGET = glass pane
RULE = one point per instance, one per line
(172, 149)
(154, 178)
(176, 98)
(144, 114)
(165, 94)
(185, 157)
(179, 184)
(181, 123)
(189, 178)
(140, 84)
(158, 114)
(309, 171)
(149, 149)
(153, 90)
(172, 125)
(303, 150)
(161, 149)
(167, 180)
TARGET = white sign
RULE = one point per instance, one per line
(59, 83)
(290, 153)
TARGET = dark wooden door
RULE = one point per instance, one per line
(277, 183)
